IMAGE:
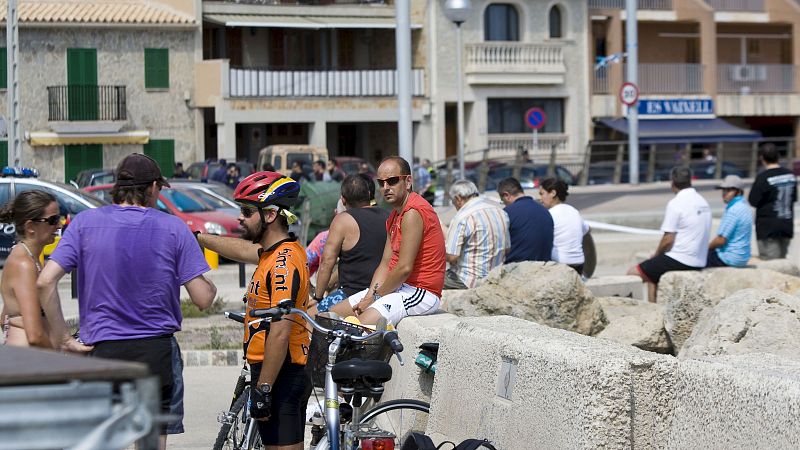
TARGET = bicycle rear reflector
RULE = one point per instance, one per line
(381, 443)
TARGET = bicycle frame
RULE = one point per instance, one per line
(332, 418)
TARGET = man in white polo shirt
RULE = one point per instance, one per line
(686, 227)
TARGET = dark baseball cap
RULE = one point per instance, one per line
(137, 170)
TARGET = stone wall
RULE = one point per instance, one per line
(120, 61)
(524, 385)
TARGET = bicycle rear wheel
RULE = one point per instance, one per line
(239, 432)
(400, 417)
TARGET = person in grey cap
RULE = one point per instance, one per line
(131, 261)
(731, 246)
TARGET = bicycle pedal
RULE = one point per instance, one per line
(226, 418)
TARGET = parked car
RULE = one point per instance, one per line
(350, 165)
(283, 156)
(705, 170)
(180, 202)
(214, 194)
(93, 177)
(202, 171)
(603, 173)
(71, 202)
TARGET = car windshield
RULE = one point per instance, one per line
(91, 199)
(211, 200)
(184, 201)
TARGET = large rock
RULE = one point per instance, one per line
(686, 294)
(784, 266)
(635, 322)
(547, 293)
(749, 321)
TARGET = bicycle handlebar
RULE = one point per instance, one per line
(390, 338)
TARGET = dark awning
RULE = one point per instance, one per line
(684, 131)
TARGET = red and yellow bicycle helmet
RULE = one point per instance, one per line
(262, 189)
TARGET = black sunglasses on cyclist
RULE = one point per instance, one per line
(247, 211)
(391, 181)
(52, 220)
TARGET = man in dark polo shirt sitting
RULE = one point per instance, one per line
(530, 224)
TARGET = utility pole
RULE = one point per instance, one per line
(12, 56)
(632, 50)
(403, 50)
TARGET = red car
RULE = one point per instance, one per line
(198, 215)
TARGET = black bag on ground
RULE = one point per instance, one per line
(419, 441)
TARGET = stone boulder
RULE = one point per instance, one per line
(784, 266)
(635, 322)
(546, 293)
(686, 294)
(748, 321)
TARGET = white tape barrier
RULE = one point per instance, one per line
(622, 229)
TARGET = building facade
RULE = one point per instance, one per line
(99, 80)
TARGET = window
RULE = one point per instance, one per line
(555, 22)
(3, 68)
(501, 23)
(156, 68)
(81, 157)
(3, 154)
(163, 152)
(507, 115)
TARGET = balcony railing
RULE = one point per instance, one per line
(620, 4)
(737, 5)
(755, 78)
(600, 83)
(84, 103)
(515, 57)
(509, 142)
(320, 83)
(670, 78)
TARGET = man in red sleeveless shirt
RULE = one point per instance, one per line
(409, 279)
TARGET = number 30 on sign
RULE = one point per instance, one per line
(629, 94)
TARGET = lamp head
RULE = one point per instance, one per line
(457, 11)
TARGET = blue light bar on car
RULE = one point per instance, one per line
(20, 172)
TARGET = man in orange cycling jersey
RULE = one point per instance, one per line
(276, 352)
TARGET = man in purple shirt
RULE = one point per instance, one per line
(132, 260)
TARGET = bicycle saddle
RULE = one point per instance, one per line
(356, 371)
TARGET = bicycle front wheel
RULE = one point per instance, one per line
(400, 417)
(239, 432)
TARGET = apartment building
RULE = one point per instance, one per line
(307, 72)
(729, 65)
(99, 79)
(516, 55)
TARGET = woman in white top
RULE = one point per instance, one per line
(568, 225)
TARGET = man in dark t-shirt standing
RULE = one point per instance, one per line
(530, 224)
(773, 195)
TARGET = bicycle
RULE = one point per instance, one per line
(381, 427)
(239, 430)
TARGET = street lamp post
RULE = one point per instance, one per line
(457, 11)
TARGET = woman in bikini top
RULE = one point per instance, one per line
(26, 321)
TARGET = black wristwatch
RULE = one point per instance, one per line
(318, 299)
(265, 388)
(197, 234)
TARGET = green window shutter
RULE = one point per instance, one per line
(3, 154)
(163, 152)
(82, 92)
(3, 69)
(81, 157)
(156, 68)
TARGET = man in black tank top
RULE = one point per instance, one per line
(357, 239)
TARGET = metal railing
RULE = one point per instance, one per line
(669, 78)
(77, 103)
(737, 5)
(515, 57)
(620, 4)
(320, 83)
(510, 142)
(755, 78)
(600, 80)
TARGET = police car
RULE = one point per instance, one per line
(71, 201)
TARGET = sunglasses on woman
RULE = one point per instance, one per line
(52, 220)
(391, 181)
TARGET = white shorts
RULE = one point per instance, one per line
(405, 301)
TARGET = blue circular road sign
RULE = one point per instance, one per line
(535, 118)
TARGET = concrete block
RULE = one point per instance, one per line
(524, 386)
(736, 402)
(618, 286)
(409, 380)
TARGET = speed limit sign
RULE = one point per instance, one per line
(629, 94)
